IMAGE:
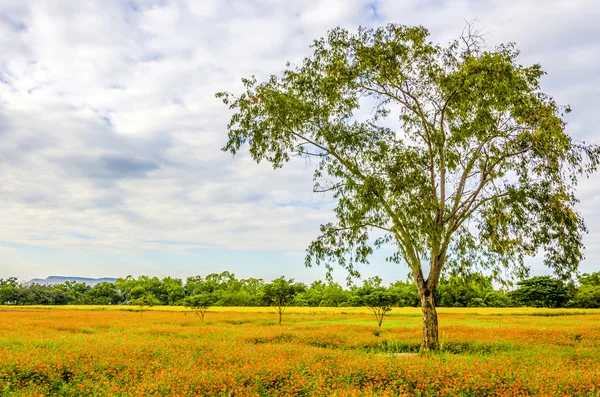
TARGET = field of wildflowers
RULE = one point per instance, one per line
(316, 352)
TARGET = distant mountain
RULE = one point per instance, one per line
(53, 280)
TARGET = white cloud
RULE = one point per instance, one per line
(110, 134)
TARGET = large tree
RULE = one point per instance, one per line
(452, 154)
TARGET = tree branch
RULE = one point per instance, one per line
(360, 226)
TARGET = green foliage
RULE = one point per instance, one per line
(225, 289)
(375, 297)
(280, 293)
(587, 296)
(71, 292)
(137, 292)
(172, 291)
(542, 291)
(590, 279)
(144, 302)
(145, 286)
(380, 302)
(104, 294)
(404, 294)
(125, 285)
(200, 303)
(477, 173)
(466, 291)
(35, 294)
(8, 290)
(323, 294)
(477, 140)
(495, 298)
(228, 290)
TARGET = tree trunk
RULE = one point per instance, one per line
(431, 341)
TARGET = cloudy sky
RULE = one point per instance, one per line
(110, 135)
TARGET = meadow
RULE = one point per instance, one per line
(114, 351)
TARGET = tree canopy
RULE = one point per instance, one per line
(199, 303)
(542, 291)
(375, 297)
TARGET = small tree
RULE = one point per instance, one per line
(199, 304)
(375, 297)
(380, 303)
(280, 293)
(145, 302)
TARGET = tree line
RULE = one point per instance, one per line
(224, 289)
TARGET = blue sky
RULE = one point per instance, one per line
(110, 135)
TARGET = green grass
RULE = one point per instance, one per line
(396, 311)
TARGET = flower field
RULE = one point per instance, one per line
(316, 352)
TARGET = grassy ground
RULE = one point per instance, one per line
(72, 351)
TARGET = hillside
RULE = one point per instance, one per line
(52, 280)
